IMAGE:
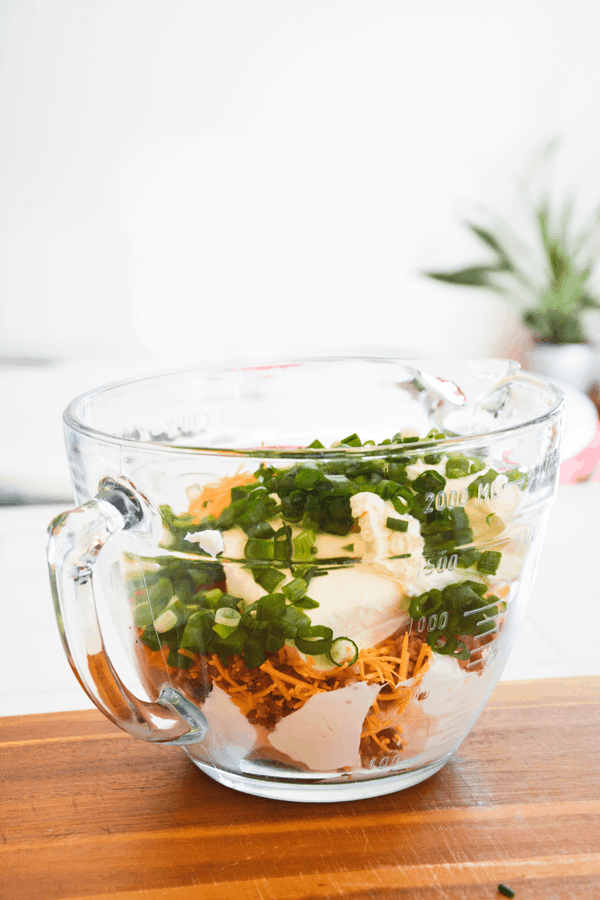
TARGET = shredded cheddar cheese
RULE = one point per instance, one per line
(403, 673)
(213, 498)
(282, 685)
(423, 659)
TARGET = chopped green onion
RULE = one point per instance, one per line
(349, 548)
(142, 614)
(199, 617)
(464, 592)
(222, 630)
(261, 530)
(233, 645)
(468, 558)
(396, 524)
(197, 633)
(199, 577)
(283, 543)
(179, 660)
(303, 545)
(271, 606)
(229, 601)
(489, 562)
(397, 472)
(248, 619)
(160, 590)
(294, 622)
(315, 640)
(400, 505)
(306, 572)
(387, 489)
(240, 492)
(343, 650)
(505, 891)
(430, 482)
(457, 467)
(476, 465)
(308, 478)
(447, 645)
(212, 598)
(254, 653)
(352, 440)
(339, 483)
(276, 636)
(295, 589)
(426, 603)
(228, 617)
(171, 616)
(316, 445)
(150, 638)
(482, 484)
(306, 603)
(268, 578)
(259, 549)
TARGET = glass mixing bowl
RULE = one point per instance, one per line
(308, 574)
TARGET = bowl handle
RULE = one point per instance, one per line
(75, 539)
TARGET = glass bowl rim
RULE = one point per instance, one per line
(72, 420)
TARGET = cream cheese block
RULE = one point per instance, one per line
(358, 604)
(230, 735)
(325, 733)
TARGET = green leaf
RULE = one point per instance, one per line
(474, 276)
(559, 262)
(494, 244)
(543, 217)
(587, 302)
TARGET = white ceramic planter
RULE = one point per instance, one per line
(573, 364)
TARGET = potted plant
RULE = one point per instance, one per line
(549, 281)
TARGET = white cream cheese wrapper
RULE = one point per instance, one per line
(230, 734)
(325, 733)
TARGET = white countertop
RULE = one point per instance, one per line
(558, 637)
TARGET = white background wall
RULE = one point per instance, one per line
(200, 180)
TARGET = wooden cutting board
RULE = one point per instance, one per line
(89, 812)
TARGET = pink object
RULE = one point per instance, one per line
(580, 467)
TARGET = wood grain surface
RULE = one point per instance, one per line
(88, 812)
